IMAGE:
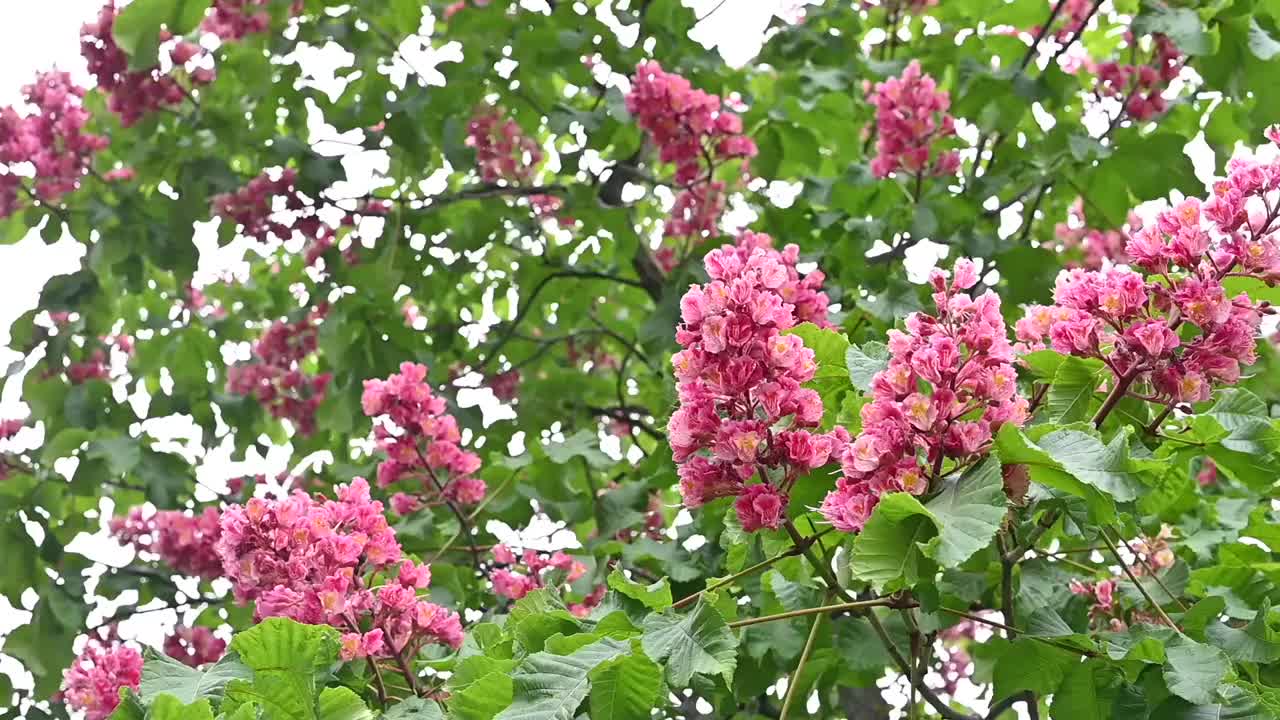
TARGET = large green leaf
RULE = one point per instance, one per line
(285, 657)
(1246, 419)
(1074, 461)
(967, 512)
(655, 596)
(625, 688)
(551, 687)
(1194, 670)
(1071, 393)
(696, 643)
(1252, 643)
(889, 552)
(164, 675)
(340, 703)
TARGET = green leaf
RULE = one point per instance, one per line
(864, 362)
(1073, 461)
(829, 348)
(1072, 390)
(656, 596)
(625, 688)
(340, 703)
(967, 512)
(889, 552)
(483, 698)
(137, 27)
(1087, 691)
(164, 675)
(551, 687)
(1252, 643)
(414, 708)
(697, 643)
(1030, 665)
(168, 707)
(1245, 418)
(285, 656)
(1194, 670)
(1183, 26)
(1261, 44)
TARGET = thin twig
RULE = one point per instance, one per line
(804, 660)
(821, 609)
(1134, 578)
(763, 564)
(1150, 570)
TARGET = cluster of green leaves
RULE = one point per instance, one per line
(276, 669)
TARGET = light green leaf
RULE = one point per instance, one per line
(889, 552)
(164, 675)
(864, 362)
(551, 687)
(655, 596)
(340, 703)
(1245, 418)
(284, 656)
(483, 698)
(699, 642)
(831, 378)
(1194, 670)
(625, 688)
(967, 513)
(168, 707)
(1071, 393)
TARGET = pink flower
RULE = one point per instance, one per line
(194, 646)
(761, 506)
(849, 506)
(511, 585)
(92, 684)
(911, 114)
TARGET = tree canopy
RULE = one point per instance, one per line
(919, 363)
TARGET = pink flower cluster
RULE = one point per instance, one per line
(9, 428)
(421, 442)
(95, 368)
(693, 131)
(92, 684)
(505, 385)
(51, 137)
(964, 357)
(275, 377)
(1153, 554)
(1097, 247)
(233, 19)
(185, 542)
(740, 379)
(1141, 87)
(1136, 324)
(504, 153)
(911, 115)
(194, 646)
(519, 575)
(334, 562)
(135, 93)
